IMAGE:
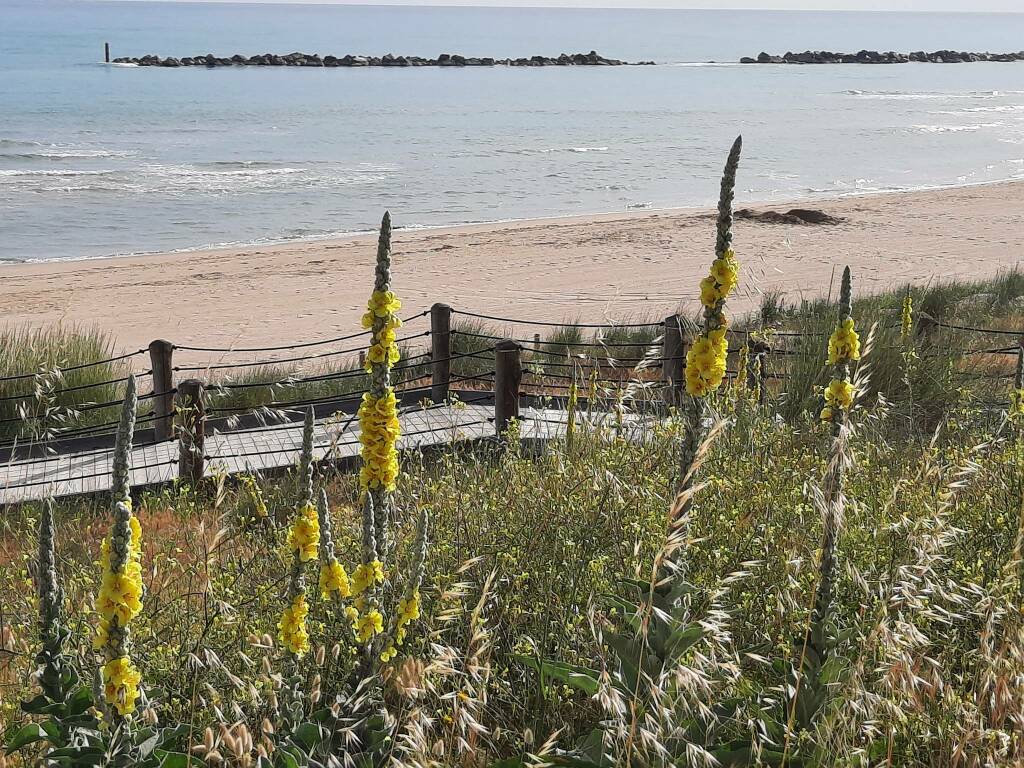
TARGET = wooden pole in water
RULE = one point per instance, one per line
(508, 374)
(106, 52)
(440, 351)
(161, 362)
(191, 431)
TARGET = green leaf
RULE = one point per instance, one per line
(147, 746)
(79, 701)
(682, 639)
(175, 759)
(27, 734)
(307, 736)
(39, 705)
(581, 678)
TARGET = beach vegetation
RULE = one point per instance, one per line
(744, 577)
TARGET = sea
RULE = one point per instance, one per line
(99, 160)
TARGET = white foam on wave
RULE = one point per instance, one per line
(549, 150)
(70, 154)
(1000, 109)
(956, 128)
(11, 173)
(920, 95)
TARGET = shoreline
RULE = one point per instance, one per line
(609, 267)
(811, 198)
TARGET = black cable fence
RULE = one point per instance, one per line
(551, 366)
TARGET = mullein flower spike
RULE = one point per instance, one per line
(379, 432)
(120, 485)
(334, 581)
(51, 596)
(706, 358)
(304, 544)
(366, 619)
(907, 316)
(378, 413)
(121, 589)
(409, 606)
(843, 348)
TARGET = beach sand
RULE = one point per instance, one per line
(604, 268)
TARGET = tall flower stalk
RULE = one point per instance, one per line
(379, 433)
(51, 605)
(378, 412)
(120, 488)
(907, 316)
(706, 358)
(843, 348)
(334, 581)
(409, 606)
(304, 543)
(120, 597)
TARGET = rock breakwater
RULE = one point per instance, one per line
(297, 59)
(884, 57)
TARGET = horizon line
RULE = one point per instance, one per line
(565, 5)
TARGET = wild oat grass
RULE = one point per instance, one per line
(923, 599)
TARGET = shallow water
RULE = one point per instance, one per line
(98, 160)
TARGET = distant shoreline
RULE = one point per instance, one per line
(604, 268)
(270, 242)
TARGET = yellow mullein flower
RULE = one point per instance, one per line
(366, 575)
(383, 303)
(388, 653)
(292, 630)
(121, 684)
(334, 580)
(710, 294)
(839, 394)
(907, 318)
(844, 344)
(304, 535)
(368, 625)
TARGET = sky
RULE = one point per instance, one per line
(820, 5)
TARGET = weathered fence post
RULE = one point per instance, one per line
(673, 360)
(536, 342)
(191, 430)
(161, 361)
(508, 374)
(440, 351)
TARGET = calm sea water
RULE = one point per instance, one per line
(98, 160)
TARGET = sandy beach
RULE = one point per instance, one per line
(593, 269)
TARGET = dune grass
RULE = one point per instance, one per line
(42, 388)
(526, 640)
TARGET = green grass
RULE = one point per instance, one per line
(50, 398)
(528, 550)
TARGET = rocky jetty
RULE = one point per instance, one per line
(884, 57)
(592, 59)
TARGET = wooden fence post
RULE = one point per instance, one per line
(191, 431)
(440, 351)
(508, 374)
(673, 360)
(536, 342)
(161, 361)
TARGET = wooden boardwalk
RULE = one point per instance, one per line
(266, 448)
